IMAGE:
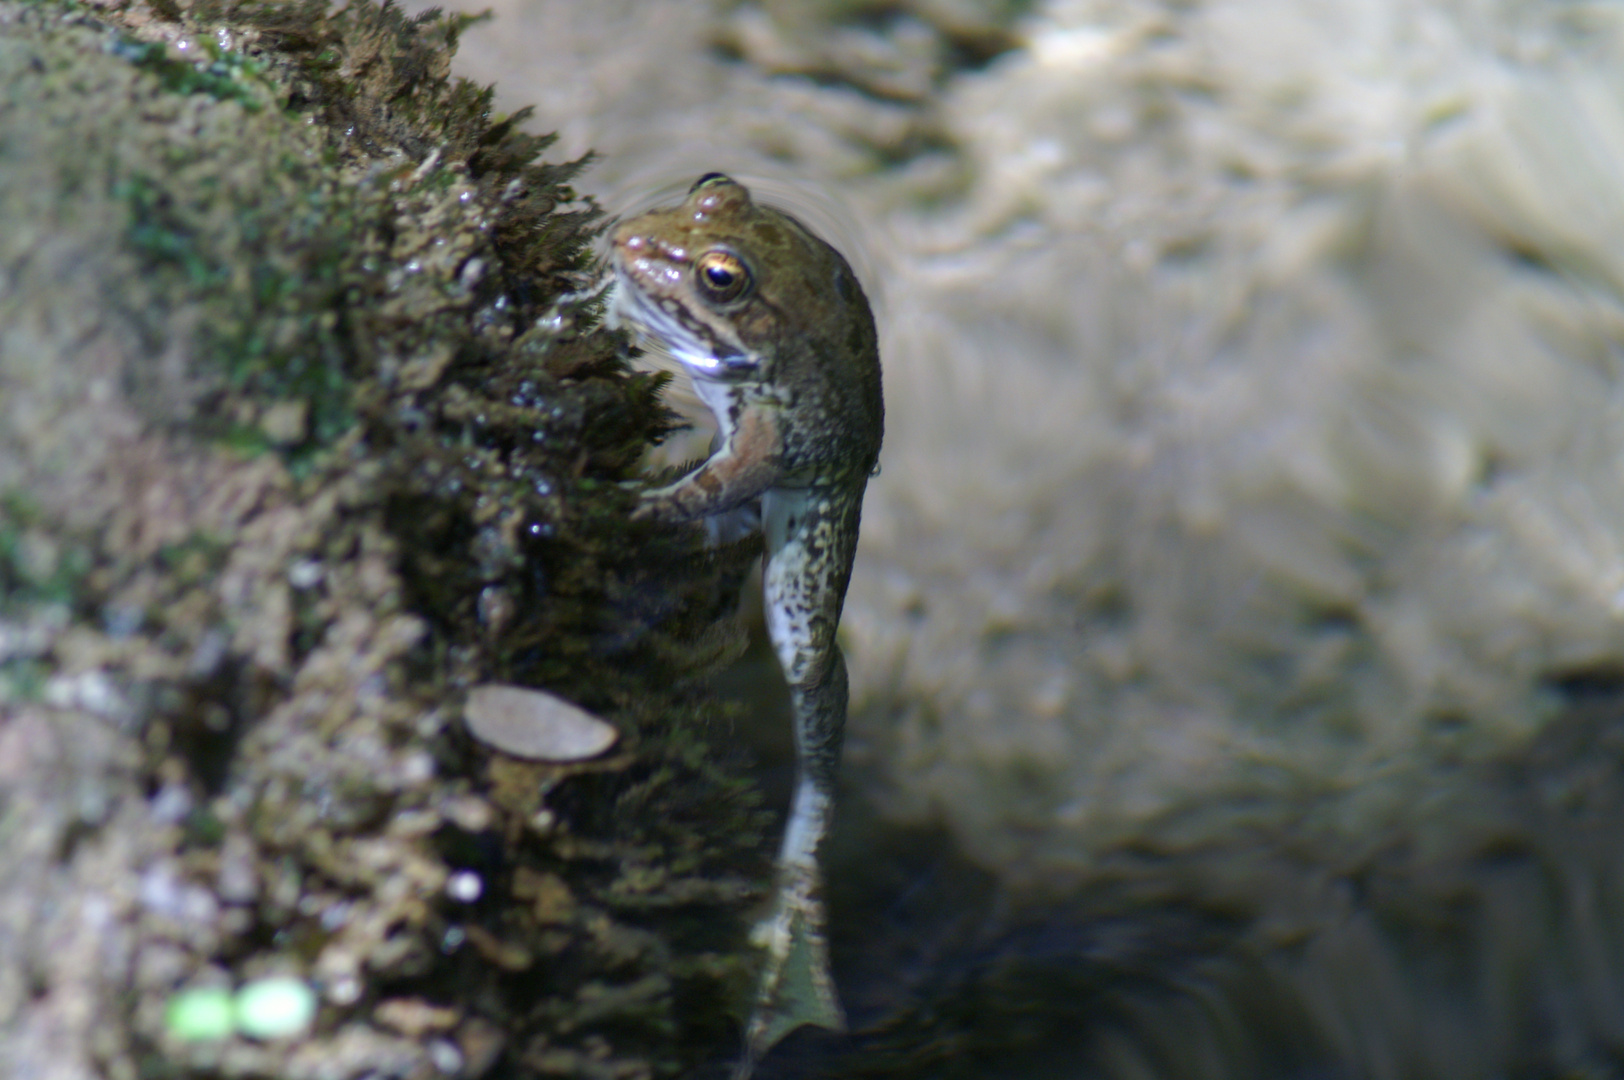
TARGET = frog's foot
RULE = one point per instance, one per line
(796, 987)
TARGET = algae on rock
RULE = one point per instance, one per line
(285, 466)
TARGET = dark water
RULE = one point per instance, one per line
(1483, 937)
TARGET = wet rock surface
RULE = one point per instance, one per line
(286, 467)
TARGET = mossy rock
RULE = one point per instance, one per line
(292, 454)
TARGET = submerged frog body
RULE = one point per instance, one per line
(777, 335)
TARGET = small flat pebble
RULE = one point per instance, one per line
(200, 1015)
(275, 1008)
(534, 724)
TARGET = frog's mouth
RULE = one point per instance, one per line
(671, 328)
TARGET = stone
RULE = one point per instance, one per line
(534, 724)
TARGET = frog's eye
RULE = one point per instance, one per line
(721, 276)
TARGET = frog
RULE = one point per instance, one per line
(774, 329)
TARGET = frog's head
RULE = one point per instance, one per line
(716, 279)
(682, 280)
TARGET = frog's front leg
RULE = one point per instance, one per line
(744, 466)
(811, 540)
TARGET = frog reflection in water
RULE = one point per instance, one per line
(774, 329)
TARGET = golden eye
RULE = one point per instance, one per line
(721, 276)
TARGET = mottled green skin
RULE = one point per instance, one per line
(787, 358)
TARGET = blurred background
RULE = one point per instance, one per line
(1238, 626)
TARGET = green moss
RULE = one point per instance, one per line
(23, 679)
(36, 569)
(193, 560)
(219, 73)
(272, 265)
